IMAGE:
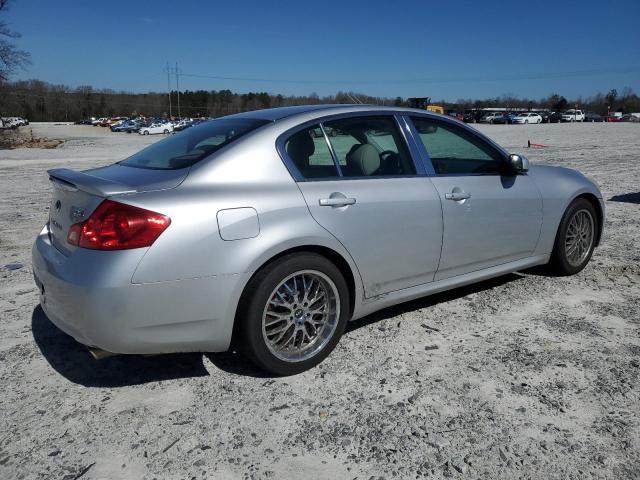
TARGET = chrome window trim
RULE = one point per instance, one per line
(298, 177)
(331, 150)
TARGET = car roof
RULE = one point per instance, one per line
(275, 114)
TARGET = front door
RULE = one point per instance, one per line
(491, 216)
(364, 190)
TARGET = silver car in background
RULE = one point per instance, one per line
(269, 230)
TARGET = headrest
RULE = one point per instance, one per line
(301, 146)
(364, 159)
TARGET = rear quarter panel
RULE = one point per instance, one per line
(249, 175)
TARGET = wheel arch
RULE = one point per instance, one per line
(597, 206)
(334, 257)
(350, 275)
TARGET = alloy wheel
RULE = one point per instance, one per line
(301, 315)
(579, 237)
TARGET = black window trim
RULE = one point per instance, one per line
(405, 136)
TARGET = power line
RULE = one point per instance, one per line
(492, 78)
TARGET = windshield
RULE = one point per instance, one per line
(188, 147)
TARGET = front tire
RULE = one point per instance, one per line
(575, 239)
(292, 313)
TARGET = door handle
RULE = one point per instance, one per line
(336, 201)
(457, 196)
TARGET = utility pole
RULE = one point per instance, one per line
(169, 87)
(178, 88)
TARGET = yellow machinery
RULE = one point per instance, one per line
(423, 103)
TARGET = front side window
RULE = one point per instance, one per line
(188, 147)
(454, 151)
(310, 153)
(369, 146)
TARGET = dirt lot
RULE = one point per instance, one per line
(520, 377)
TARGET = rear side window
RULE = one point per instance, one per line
(310, 153)
(188, 147)
(454, 151)
(369, 146)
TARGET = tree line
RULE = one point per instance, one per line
(37, 100)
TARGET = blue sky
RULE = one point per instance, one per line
(445, 50)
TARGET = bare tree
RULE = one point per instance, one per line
(11, 57)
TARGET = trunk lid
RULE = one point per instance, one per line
(77, 194)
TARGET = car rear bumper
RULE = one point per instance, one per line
(89, 295)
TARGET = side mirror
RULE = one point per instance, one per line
(518, 163)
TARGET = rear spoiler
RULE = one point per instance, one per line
(72, 181)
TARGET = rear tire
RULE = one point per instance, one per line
(575, 239)
(292, 313)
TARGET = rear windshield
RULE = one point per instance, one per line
(188, 147)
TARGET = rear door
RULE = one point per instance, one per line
(362, 185)
(490, 216)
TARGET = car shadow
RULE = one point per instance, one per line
(626, 198)
(73, 361)
(431, 300)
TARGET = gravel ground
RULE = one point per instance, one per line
(524, 376)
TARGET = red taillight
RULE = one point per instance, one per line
(117, 226)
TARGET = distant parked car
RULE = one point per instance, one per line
(494, 117)
(8, 124)
(157, 128)
(490, 116)
(12, 123)
(629, 117)
(133, 126)
(115, 121)
(317, 133)
(182, 125)
(127, 126)
(527, 117)
(469, 117)
(501, 119)
(551, 117)
(593, 117)
(573, 116)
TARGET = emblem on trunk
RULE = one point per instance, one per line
(58, 205)
(77, 213)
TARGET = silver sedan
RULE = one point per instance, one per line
(269, 230)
